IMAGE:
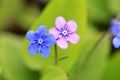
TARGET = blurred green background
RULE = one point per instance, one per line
(93, 18)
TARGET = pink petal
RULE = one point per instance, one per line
(60, 22)
(54, 32)
(72, 25)
(62, 43)
(73, 38)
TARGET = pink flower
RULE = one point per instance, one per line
(64, 32)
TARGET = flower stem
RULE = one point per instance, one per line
(56, 55)
(63, 58)
(90, 53)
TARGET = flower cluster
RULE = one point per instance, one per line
(62, 34)
(115, 29)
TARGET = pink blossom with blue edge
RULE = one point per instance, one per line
(65, 32)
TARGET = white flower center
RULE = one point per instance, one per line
(40, 41)
(64, 32)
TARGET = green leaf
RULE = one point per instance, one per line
(1, 77)
(97, 61)
(98, 10)
(112, 71)
(27, 16)
(53, 73)
(11, 61)
(8, 10)
(114, 6)
(77, 12)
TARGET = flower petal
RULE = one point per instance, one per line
(30, 36)
(50, 40)
(33, 49)
(54, 32)
(72, 25)
(62, 43)
(45, 51)
(41, 29)
(116, 42)
(115, 29)
(73, 38)
(60, 22)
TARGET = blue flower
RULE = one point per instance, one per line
(115, 27)
(116, 42)
(40, 41)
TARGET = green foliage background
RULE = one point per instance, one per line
(93, 18)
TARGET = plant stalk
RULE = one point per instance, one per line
(56, 55)
(90, 53)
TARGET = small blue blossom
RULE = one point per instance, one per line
(116, 42)
(40, 41)
(115, 29)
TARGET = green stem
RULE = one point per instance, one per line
(90, 53)
(56, 55)
(63, 58)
